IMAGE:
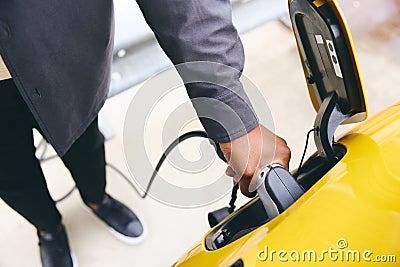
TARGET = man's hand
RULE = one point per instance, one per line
(248, 154)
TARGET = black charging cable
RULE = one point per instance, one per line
(233, 198)
(176, 142)
(304, 151)
(126, 178)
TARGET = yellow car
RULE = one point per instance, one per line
(342, 207)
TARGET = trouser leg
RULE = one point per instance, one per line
(22, 183)
(86, 162)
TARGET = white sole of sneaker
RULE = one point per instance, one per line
(74, 260)
(123, 238)
(130, 240)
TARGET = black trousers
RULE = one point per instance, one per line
(22, 183)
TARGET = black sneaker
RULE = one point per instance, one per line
(54, 250)
(124, 223)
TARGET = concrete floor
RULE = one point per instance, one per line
(273, 65)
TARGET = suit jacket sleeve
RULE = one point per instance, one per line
(202, 31)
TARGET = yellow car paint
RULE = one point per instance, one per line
(357, 201)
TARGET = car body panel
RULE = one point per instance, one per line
(358, 201)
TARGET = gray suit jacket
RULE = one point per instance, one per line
(59, 54)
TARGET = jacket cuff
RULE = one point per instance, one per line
(227, 117)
